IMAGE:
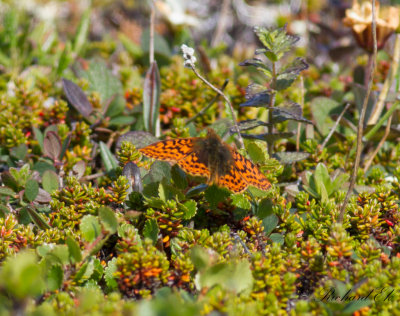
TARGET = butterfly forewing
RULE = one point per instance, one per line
(170, 150)
(233, 181)
(191, 165)
(250, 172)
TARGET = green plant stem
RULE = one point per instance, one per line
(203, 110)
(241, 143)
(362, 117)
(151, 43)
(335, 126)
(382, 120)
(271, 105)
(376, 127)
(302, 107)
(381, 142)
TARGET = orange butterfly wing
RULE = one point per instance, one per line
(191, 165)
(250, 173)
(169, 150)
(233, 181)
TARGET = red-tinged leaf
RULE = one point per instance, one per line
(79, 169)
(43, 196)
(132, 172)
(52, 145)
(151, 99)
(77, 98)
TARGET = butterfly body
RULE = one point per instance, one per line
(213, 153)
(212, 158)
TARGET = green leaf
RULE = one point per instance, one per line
(158, 171)
(269, 137)
(163, 192)
(285, 157)
(215, 195)
(38, 136)
(161, 47)
(10, 181)
(109, 161)
(249, 124)
(6, 191)
(240, 201)
(31, 190)
(154, 202)
(98, 271)
(60, 253)
(257, 151)
(85, 272)
(264, 208)
(121, 120)
(109, 274)
(277, 238)
(44, 249)
(259, 65)
(4, 211)
(21, 276)
(65, 59)
(132, 48)
(179, 177)
(108, 219)
(270, 222)
(107, 85)
(321, 109)
(138, 138)
(195, 191)
(338, 182)
(37, 218)
(288, 111)
(290, 73)
(151, 230)
(354, 306)
(55, 277)
(276, 42)
(50, 181)
(232, 276)
(190, 208)
(151, 100)
(322, 181)
(65, 145)
(168, 192)
(82, 32)
(42, 166)
(74, 249)
(19, 152)
(199, 257)
(321, 173)
(359, 96)
(90, 227)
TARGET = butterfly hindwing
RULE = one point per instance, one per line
(170, 150)
(191, 165)
(250, 173)
(233, 181)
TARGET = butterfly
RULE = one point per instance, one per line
(212, 158)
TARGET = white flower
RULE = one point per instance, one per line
(188, 56)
